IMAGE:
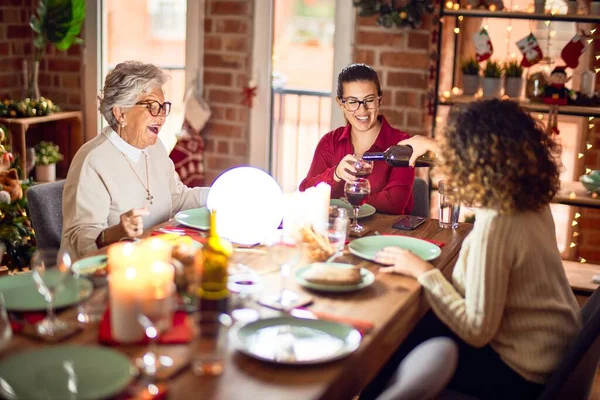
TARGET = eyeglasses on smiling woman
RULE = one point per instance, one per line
(353, 104)
(154, 107)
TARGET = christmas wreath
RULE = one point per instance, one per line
(398, 13)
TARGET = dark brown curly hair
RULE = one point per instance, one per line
(497, 156)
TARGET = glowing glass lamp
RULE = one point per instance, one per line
(249, 205)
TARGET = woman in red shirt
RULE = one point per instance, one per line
(359, 96)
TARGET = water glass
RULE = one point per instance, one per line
(209, 347)
(246, 290)
(285, 251)
(6, 332)
(337, 229)
(449, 206)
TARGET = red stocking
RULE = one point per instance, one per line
(572, 51)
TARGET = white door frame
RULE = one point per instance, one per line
(91, 68)
(262, 66)
(194, 42)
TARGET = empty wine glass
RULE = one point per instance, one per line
(357, 193)
(363, 167)
(50, 269)
(29, 160)
(5, 328)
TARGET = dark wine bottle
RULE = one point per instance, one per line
(398, 156)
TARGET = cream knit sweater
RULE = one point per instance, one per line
(509, 289)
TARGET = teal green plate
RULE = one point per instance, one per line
(367, 280)
(89, 265)
(589, 183)
(366, 210)
(295, 341)
(21, 294)
(47, 373)
(368, 246)
(197, 218)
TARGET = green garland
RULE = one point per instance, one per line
(400, 13)
(27, 108)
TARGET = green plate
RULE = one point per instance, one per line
(198, 218)
(295, 341)
(366, 210)
(368, 246)
(21, 294)
(89, 265)
(47, 373)
(367, 280)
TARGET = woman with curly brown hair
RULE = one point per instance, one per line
(509, 305)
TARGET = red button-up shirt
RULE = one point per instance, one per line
(391, 188)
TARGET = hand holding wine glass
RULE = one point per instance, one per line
(346, 171)
(363, 168)
(357, 193)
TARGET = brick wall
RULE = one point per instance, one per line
(589, 223)
(401, 58)
(60, 77)
(227, 69)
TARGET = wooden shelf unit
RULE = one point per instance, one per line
(595, 19)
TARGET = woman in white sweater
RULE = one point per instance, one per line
(123, 180)
(509, 305)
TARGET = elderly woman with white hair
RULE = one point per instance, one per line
(123, 180)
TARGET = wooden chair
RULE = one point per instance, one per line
(421, 197)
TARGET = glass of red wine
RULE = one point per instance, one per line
(357, 193)
(363, 167)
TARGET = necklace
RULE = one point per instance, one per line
(146, 187)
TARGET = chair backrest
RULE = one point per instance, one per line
(45, 210)
(421, 197)
(574, 377)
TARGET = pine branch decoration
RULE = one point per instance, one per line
(399, 13)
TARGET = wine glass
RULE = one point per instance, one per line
(285, 251)
(363, 167)
(5, 328)
(50, 270)
(29, 160)
(356, 194)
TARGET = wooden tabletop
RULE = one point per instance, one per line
(394, 304)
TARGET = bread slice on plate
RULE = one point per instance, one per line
(325, 274)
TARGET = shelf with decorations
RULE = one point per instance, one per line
(456, 21)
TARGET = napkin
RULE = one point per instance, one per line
(437, 243)
(32, 318)
(180, 332)
(363, 327)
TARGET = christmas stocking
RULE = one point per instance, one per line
(532, 53)
(573, 50)
(483, 45)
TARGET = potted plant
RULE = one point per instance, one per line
(513, 79)
(492, 79)
(470, 69)
(46, 156)
(58, 22)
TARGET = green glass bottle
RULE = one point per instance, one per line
(212, 292)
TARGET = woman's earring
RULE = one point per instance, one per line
(123, 123)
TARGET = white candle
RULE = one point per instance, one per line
(157, 296)
(323, 193)
(124, 287)
(121, 255)
(154, 249)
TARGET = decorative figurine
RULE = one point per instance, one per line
(555, 95)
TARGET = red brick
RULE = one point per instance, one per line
(231, 114)
(367, 21)
(218, 78)
(408, 99)
(222, 130)
(10, 64)
(64, 66)
(208, 23)
(44, 80)
(222, 147)
(10, 16)
(18, 32)
(74, 99)
(2, 32)
(232, 26)
(384, 38)
(75, 50)
(71, 81)
(394, 116)
(238, 44)
(56, 81)
(414, 119)
(225, 96)
(418, 40)
(364, 56)
(209, 144)
(404, 60)
(224, 61)
(212, 42)
(591, 160)
(218, 163)
(406, 80)
(59, 98)
(240, 149)
(243, 115)
(229, 8)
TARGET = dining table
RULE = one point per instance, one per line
(394, 304)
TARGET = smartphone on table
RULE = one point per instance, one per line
(408, 222)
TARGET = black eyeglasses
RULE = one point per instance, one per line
(352, 104)
(155, 107)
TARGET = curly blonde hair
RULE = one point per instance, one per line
(497, 156)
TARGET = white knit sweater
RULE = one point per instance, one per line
(509, 289)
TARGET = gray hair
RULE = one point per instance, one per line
(125, 83)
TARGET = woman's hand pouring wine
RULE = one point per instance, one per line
(420, 145)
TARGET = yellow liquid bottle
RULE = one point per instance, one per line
(212, 292)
